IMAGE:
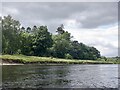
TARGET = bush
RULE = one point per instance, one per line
(103, 57)
(18, 51)
(68, 56)
(98, 59)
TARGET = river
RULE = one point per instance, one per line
(60, 76)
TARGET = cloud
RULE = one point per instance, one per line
(7, 10)
(93, 23)
(0, 9)
(91, 15)
(60, 1)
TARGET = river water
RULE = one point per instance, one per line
(60, 76)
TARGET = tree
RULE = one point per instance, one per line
(28, 30)
(10, 35)
(26, 43)
(41, 41)
(60, 45)
(34, 29)
(60, 29)
(81, 51)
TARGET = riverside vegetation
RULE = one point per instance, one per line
(37, 44)
(48, 60)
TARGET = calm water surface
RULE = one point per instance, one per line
(63, 76)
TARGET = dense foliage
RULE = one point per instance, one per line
(38, 41)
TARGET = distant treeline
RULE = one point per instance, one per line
(37, 41)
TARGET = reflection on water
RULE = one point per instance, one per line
(60, 76)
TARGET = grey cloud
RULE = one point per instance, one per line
(112, 50)
(97, 14)
(103, 44)
(100, 14)
(46, 11)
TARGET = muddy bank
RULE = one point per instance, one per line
(9, 62)
(12, 62)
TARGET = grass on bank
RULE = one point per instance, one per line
(34, 59)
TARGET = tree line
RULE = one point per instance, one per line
(38, 41)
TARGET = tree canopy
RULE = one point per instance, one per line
(38, 41)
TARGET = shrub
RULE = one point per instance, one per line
(68, 56)
(103, 57)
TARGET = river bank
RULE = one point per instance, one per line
(22, 59)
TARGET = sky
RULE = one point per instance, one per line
(92, 23)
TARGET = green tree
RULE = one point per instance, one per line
(60, 29)
(41, 41)
(10, 35)
(26, 43)
(61, 43)
(81, 51)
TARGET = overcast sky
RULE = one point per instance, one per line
(94, 24)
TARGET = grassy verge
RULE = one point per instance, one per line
(33, 59)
